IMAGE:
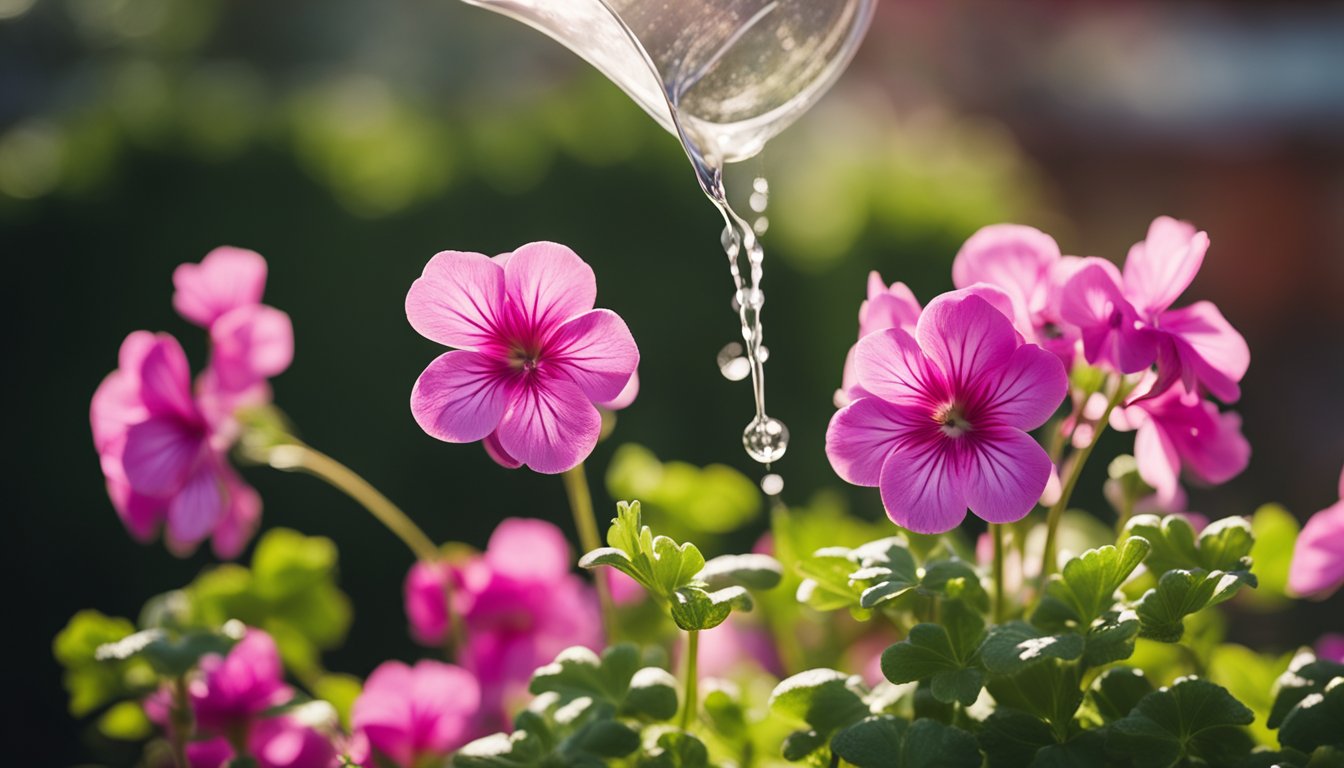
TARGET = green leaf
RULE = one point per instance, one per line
(749, 571)
(687, 499)
(694, 609)
(1010, 648)
(520, 749)
(1250, 677)
(613, 682)
(172, 654)
(340, 691)
(1178, 594)
(1111, 638)
(826, 585)
(1192, 719)
(1011, 738)
(94, 683)
(886, 570)
(1306, 675)
(676, 749)
(823, 699)
(883, 741)
(1275, 530)
(945, 655)
(125, 721)
(1224, 545)
(1086, 587)
(1050, 690)
(659, 564)
(1085, 750)
(1316, 720)
(954, 579)
(1117, 691)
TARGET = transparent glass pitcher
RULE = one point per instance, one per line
(723, 75)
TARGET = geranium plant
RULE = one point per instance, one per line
(1057, 637)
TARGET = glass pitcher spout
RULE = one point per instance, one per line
(723, 75)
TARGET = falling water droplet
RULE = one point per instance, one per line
(772, 484)
(733, 363)
(766, 439)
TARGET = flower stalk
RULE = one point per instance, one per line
(692, 679)
(581, 505)
(183, 723)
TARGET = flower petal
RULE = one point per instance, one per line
(160, 455)
(1029, 391)
(1210, 349)
(249, 345)
(965, 337)
(1318, 557)
(889, 364)
(227, 278)
(547, 284)
(922, 488)
(1159, 463)
(550, 424)
(497, 453)
(1014, 258)
(457, 300)
(625, 397)
(596, 351)
(1093, 301)
(860, 437)
(461, 396)
(1008, 471)
(1159, 269)
(165, 379)
(242, 516)
(528, 549)
(194, 510)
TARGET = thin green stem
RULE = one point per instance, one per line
(296, 456)
(182, 723)
(1000, 604)
(1078, 461)
(692, 695)
(581, 504)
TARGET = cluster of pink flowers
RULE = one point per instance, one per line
(162, 442)
(533, 359)
(233, 700)
(935, 403)
(520, 604)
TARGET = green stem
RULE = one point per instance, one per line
(1079, 460)
(182, 722)
(581, 504)
(692, 696)
(295, 456)
(1000, 606)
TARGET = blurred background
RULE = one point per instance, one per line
(349, 140)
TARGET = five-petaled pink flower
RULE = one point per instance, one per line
(893, 306)
(413, 714)
(1318, 557)
(1024, 263)
(1127, 323)
(1179, 430)
(521, 605)
(944, 425)
(533, 357)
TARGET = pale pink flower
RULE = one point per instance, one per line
(1127, 323)
(1024, 263)
(738, 647)
(1318, 557)
(944, 426)
(413, 714)
(893, 306)
(164, 455)
(520, 603)
(533, 357)
(1177, 431)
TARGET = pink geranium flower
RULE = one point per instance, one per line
(276, 742)
(164, 455)
(235, 689)
(1024, 263)
(738, 647)
(1127, 323)
(533, 357)
(944, 426)
(893, 306)
(521, 605)
(1318, 557)
(1178, 430)
(1330, 646)
(413, 714)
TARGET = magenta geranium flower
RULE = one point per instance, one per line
(1024, 263)
(235, 689)
(413, 714)
(533, 357)
(1126, 320)
(164, 455)
(1179, 430)
(944, 425)
(893, 306)
(277, 742)
(1318, 557)
(521, 605)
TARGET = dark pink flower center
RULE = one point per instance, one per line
(951, 418)
(524, 357)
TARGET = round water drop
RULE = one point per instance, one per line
(766, 439)
(772, 484)
(761, 225)
(753, 298)
(732, 363)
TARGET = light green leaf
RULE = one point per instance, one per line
(1192, 719)
(750, 571)
(1178, 594)
(695, 609)
(1086, 587)
(125, 721)
(613, 682)
(684, 498)
(93, 683)
(1224, 545)
(1250, 677)
(1275, 531)
(659, 564)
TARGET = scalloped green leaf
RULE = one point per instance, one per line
(1086, 586)
(614, 681)
(1306, 675)
(1191, 719)
(1223, 545)
(1316, 721)
(90, 682)
(883, 741)
(947, 656)
(657, 563)
(695, 609)
(1011, 738)
(1179, 593)
(751, 571)
(1116, 692)
(676, 749)
(1012, 647)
